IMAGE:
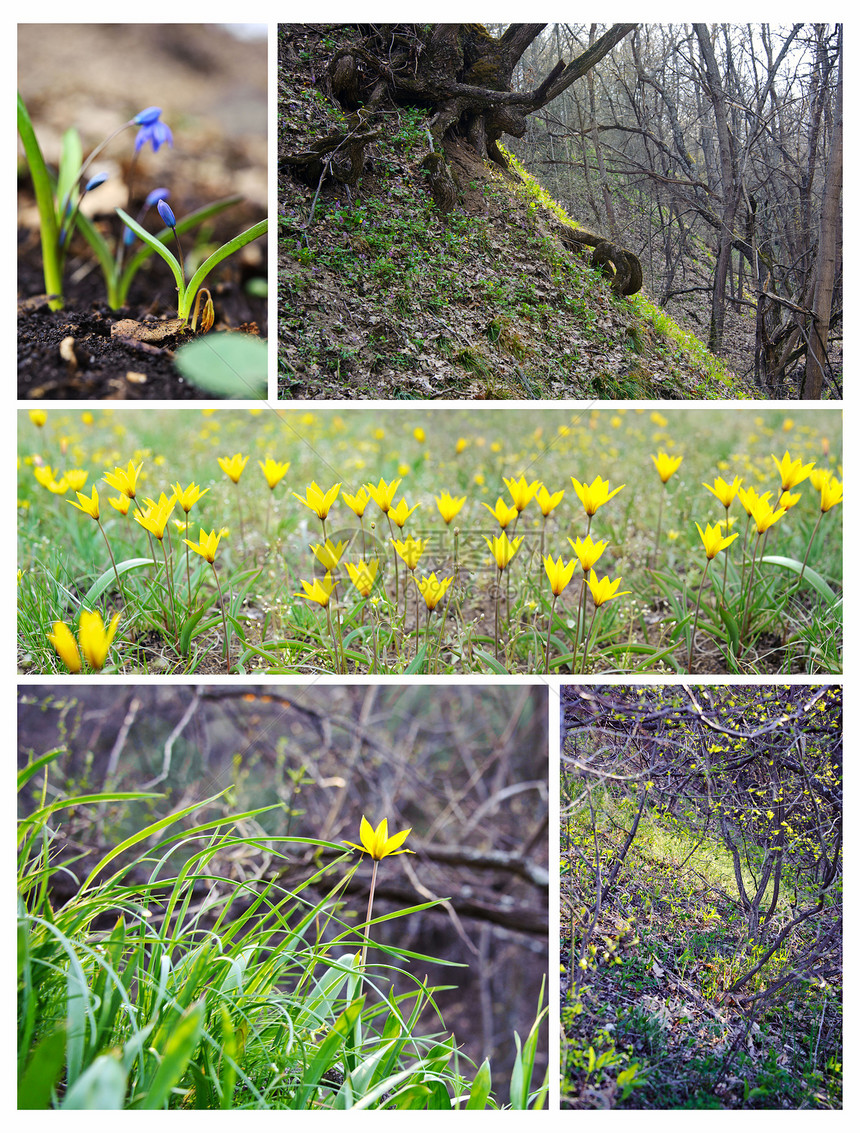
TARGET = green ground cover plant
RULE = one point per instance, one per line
(295, 541)
(701, 886)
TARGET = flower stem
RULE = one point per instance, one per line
(696, 618)
(369, 914)
(223, 617)
(549, 631)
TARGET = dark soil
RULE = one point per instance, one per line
(213, 92)
(99, 364)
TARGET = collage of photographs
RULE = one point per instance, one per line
(485, 513)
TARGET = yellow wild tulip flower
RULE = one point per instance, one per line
(76, 478)
(603, 589)
(448, 506)
(363, 575)
(666, 465)
(274, 471)
(124, 480)
(432, 589)
(357, 503)
(502, 512)
(89, 505)
(63, 641)
(587, 551)
(328, 553)
(558, 573)
(317, 500)
(317, 591)
(502, 548)
(548, 500)
(714, 540)
(233, 466)
(410, 550)
(401, 512)
(522, 493)
(94, 638)
(831, 493)
(383, 494)
(206, 546)
(188, 497)
(724, 492)
(792, 472)
(377, 843)
(594, 495)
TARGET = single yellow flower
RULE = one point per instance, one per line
(156, 516)
(714, 540)
(44, 474)
(188, 497)
(558, 574)
(502, 512)
(410, 550)
(831, 493)
(318, 591)
(357, 503)
(449, 506)
(587, 551)
(207, 546)
(419, 435)
(383, 494)
(788, 500)
(76, 478)
(274, 471)
(122, 504)
(594, 495)
(363, 575)
(433, 589)
(548, 500)
(502, 548)
(461, 445)
(602, 589)
(522, 493)
(124, 480)
(38, 417)
(763, 515)
(94, 638)
(377, 843)
(66, 647)
(792, 471)
(401, 512)
(318, 500)
(666, 465)
(88, 504)
(59, 487)
(724, 492)
(233, 466)
(329, 553)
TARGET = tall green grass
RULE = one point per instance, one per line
(163, 984)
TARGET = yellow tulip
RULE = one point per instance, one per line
(233, 466)
(94, 638)
(377, 842)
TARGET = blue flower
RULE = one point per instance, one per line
(94, 182)
(152, 129)
(166, 214)
(155, 196)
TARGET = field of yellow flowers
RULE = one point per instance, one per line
(481, 541)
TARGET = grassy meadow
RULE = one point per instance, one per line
(416, 541)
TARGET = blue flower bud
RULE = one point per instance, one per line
(166, 214)
(155, 196)
(94, 182)
(148, 116)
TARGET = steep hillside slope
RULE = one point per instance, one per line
(385, 294)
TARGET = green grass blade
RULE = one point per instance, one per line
(181, 1043)
(101, 1086)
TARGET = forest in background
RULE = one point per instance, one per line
(715, 151)
(701, 897)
